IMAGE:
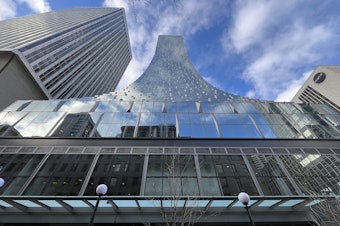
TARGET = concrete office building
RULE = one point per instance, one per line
(63, 54)
(171, 148)
(322, 86)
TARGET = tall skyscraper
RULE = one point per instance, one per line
(171, 148)
(322, 86)
(63, 54)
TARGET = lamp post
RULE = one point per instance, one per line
(244, 198)
(100, 190)
(2, 182)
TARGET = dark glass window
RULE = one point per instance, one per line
(225, 174)
(171, 175)
(60, 175)
(122, 174)
(16, 169)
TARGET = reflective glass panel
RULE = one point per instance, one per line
(270, 176)
(119, 124)
(38, 123)
(196, 125)
(314, 173)
(215, 107)
(112, 106)
(77, 125)
(236, 126)
(42, 105)
(77, 106)
(157, 125)
(7, 120)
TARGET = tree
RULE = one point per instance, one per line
(180, 206)
(318, 177)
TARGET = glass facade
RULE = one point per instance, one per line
(169, 174)
(172, 140)
(88, 118)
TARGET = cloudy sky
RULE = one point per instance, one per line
(262, 49)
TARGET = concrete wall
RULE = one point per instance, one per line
(329, 87)
(16, 83)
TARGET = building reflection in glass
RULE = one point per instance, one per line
(89, 118)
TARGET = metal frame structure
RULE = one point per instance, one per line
(129, 209)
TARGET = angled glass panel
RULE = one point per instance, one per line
(76, 203)
(196, 203)
(50, 203)
(27, 203)
(291, 203)
(268, 203)
(77, 106)
(215, 107)
(147, 107)
(220, 203)
(7, 120)
(263, 126)
(38, 123)
(5, 204)
(42, 105)
(149, 203)
(173, 203)
(186, 107)
(245, 107)
(120, 124)
(112, 106)
(77, 125)
(240, 204)
(125, 203)
(279, 125)
(196, 125)
(236, 126)
(314, 202)
(102, 203)
(17, 106)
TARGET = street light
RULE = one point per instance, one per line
(100, 190)
(244, 198)
(2, 182)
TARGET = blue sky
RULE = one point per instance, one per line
(262, 49)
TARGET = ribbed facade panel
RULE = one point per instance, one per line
(71, 53)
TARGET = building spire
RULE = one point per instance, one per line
(172, 77)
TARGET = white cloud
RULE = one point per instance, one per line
(276, 40)
(37, 6)
(249, 24)
(288, 94)
(7, 9)
(274, 69)
(117, 3)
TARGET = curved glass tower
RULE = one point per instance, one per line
(172, 149)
